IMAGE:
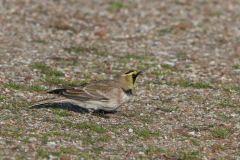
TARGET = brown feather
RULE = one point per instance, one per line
(55, 100)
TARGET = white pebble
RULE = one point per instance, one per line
(141, 153)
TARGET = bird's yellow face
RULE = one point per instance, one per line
(127, 78)
(131, 77)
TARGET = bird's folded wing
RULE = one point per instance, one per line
(85, 93)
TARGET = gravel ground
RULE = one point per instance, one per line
(185, 106)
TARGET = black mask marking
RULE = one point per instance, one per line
(134, 76)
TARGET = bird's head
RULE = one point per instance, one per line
(127, 78)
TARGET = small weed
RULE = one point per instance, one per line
(220, 133)
(185, 83)
(182, 28)
(61, 121)
(159, 73)
(92, 127)
(200, 128)
(103, 54)
(16, 134)
(104, 139)
(12, 85)
(62, 151)
(77, 49)
(143, 67)
(8, 142)
(85, 155)
(60, 112)
(54, 72)
(197, 128)
(231, 88)
(146, 120)
(138, 101)
(162, 32)
(16, 86)
(236, 66)
(166, 66)
(146, 134)
(187, 66)
(214, 14)
(36, 88)
(45, 138)
(62, 26)
(179, 3)
(194, 142)
(21, 157)
(61, 82)
(171, 136)
(157, 150)
(41, 66)
(165, 101)
(229, 105)
(212, 125)
(223, 115)
(58, 134)
(133, 138)
(218, 147)
(85, 126)
(41, 41)
(43, 154)
(88, 141)
(182, 55)
(200, 25)
(2, 97)
(69, 150)
(26, 140)
(116, 6)
(154, 150)
(97, 150)
(47, 70)
(188, 155)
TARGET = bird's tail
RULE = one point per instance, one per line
(45, 101)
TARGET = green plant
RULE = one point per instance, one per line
(194, 142)
(220, 133)
(162, 32)
(214, 13)
(2, 97)
(41, 41)
(115, 6)
(47, 70)
(166, 66)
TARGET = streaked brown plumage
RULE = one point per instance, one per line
(107, 95)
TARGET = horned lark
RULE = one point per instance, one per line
(107, 95)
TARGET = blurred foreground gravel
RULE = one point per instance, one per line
(185, 106)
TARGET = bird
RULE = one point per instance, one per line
(104, 95)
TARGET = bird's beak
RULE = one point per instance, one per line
(139, 72)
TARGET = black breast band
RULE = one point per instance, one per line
(128, 92)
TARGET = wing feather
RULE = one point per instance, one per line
(86, 92)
